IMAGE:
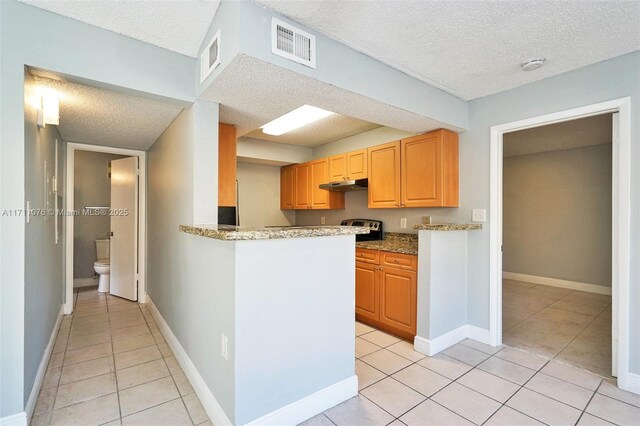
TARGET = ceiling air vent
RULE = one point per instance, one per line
(293, 43)
(210, 57)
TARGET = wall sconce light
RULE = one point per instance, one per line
(49, 112)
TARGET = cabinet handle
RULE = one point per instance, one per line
(402, 204)
(397, 205)
(396, 261)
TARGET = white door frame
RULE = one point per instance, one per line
(621, 221)
(69, 219)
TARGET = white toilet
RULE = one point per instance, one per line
(101, 265)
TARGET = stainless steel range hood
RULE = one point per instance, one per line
(346, 185)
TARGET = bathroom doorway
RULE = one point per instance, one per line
(105, 226)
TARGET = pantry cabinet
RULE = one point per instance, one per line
(227, 165)
(386, 291)
(287, 188)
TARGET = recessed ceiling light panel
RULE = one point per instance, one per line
(295, 119)
(532, 64)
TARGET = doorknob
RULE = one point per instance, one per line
(109, 234)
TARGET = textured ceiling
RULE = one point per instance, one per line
(252, 92)
(179, 26)
(590, 131)
(328, 129)
(100, 117)
(474, 48)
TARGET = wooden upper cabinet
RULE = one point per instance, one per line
(384, 176)
(302, 185)
(227, 165)
(337, 167)
(319, 175)
(350, 165)
(287, 188)
(429, 170)
(357, 164)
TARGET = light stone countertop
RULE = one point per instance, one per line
(393, 242)
(238, 233)
(448, 227)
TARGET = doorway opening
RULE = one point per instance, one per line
(556, 258)
(620, 223)
(105, 230)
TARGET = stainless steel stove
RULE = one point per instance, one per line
(375, 228)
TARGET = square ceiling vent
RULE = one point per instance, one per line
(293, 43)
(210, 57)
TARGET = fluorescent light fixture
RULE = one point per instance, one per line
(295, 119)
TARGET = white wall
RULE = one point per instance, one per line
(43, 277)
(557, 214)
(259, 196)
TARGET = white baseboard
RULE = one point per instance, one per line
(555, 282)
(42, 368)
(633, 383)
(19, 419)
(309, 406)
(208, 400)
(440, 343)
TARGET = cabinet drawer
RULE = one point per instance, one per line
(366, 255)
(399, 260)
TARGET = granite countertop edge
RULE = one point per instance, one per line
(390, 246)
(233, 233)
(448, 227)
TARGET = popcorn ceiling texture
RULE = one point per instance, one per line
(179, 26)
(474, 48)
(252, 92)
(101, 117)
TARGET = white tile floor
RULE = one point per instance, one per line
(472, 383)
(110, 365)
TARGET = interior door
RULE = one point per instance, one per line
(124, 228)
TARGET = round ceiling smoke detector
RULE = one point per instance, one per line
(532, 64)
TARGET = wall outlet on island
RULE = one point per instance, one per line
(224, 346)
(403, 222)
(322, 220)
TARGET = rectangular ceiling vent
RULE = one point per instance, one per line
(293, 43)
(210, 57)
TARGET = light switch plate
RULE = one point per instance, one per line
(322, 220)
(403, 222)
(479, 215)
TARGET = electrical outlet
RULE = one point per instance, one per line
(224, 346)
(426, 220)
(403, 222)
(322, 220)
(479, 215)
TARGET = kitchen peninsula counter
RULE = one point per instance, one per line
(238, 233)
(394, 243)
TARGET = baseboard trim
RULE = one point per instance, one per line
(555, 282)
(209, 401)
(440, 343)
(633, 383)
(42, 368)
(310, 405)
(18, 419)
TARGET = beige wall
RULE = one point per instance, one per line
(557, 214)
(259, 196)
(92, 188)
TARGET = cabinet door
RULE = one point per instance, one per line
(357, 164)
(398, 288)
(337, 167)
(422, 171)
(367, 294)
(287, 188)
(384, 176)
(226, 165)
(319, 175)
(302, 185)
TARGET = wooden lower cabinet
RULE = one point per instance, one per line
(386, 296)
(367, 291)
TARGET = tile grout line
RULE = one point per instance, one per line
(113, 358)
